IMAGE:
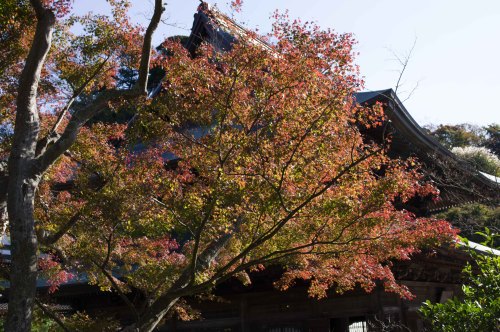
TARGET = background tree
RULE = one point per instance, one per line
(481, 158)
(473, 218)
(460, 135)
(492, 141)
(464, 135)
(247, 158)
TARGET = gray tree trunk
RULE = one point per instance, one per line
(23, 270)
(23, 182)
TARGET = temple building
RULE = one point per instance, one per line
(433, 274)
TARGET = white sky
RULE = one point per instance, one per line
(456, 60)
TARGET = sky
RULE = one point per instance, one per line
(454, 68)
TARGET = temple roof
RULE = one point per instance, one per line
(459, 182)
(211, 25)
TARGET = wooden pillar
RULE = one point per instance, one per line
(243, 314)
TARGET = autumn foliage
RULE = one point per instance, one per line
(245, 159)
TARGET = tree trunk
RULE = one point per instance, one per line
(23, 271)
(24, 179)
(4, 182)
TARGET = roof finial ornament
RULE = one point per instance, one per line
(203, 5)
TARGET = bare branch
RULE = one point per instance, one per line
(403, 61)
(412, 91)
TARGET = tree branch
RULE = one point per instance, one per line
(81, 116)
(122, 295)
(52, 135)
(197, 237)
(40, 10)
(404, 61)
(183, 285)
(180, 287)
(275, 229)
(23, 181)
(49, 240)
(142, 82)
(27, 119)
(53, 238)
(52, 315)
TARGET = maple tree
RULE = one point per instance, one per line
(246, 158)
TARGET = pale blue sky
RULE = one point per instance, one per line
(456, 60)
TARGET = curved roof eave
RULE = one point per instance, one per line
(404, 122)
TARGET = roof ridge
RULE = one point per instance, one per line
(218, 18)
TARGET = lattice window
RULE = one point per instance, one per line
(358, 326)
(285, 329)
